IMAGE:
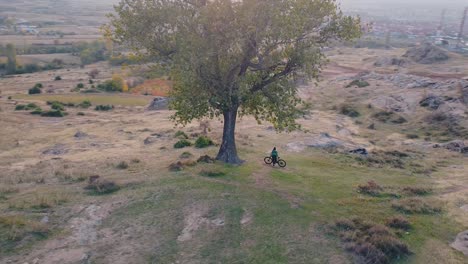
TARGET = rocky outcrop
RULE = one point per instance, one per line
(158, 103)
(426, 54)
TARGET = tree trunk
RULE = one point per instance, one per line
(227, 151)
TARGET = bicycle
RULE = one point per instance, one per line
(280, 162)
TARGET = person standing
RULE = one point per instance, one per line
(274, 156)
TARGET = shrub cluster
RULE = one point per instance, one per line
(203, 142)
(36, 89)
(349, 111)
(398, 222)
(373, 243)
(182, 144)
(104, 107)
(358, 83)
(371, 188)
(416, 206)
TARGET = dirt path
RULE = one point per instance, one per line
(76, 246)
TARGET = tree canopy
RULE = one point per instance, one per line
(234, 57)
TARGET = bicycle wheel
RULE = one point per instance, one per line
(282, 163)
(268, 160)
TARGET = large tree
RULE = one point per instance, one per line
(230, 58)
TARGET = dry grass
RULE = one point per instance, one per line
(417, 206)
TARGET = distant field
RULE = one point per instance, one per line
(21, 41)
(67, 58)
(123, 100)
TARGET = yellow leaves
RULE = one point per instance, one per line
(120, 82)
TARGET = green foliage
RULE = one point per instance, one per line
(54, 113)
(37, 111)
(203, 142)
(230, 56)
(182, 144)
(35, 90)
(57, 106)
(39, 85)
(58, 78)
(93, 52)
(186, 155)
(80, 86)
(212, 174)
(30, 106)
(85, 104)
(104, 107)
(110, 86)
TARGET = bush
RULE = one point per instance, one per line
(373, 243)
(96, 185)
(212, 174)
(58, 78)
(35, 90)
(186, 155)
(349, 111)
(416, 206)
(182, 144)
(85, 104)
(9, 97)
(178, 166)
(398, 222)
(389, 117)
(412, 136)
(54, 113)
(37, 111)
(417, 190)
(31, 106)
(203, 142)
(181, 135)
(206, 159)
(358, 83)
(371, 188)
(104, 107)
(80, 114)
(80, 86)
(57, 106)
(122, 165)
(39, 85)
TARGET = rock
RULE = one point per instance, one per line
(80, 135)
(45, 219)
(426, 54)
(433, 102)
(461, 243)
(58, 149)
(158, 103)
(456, 146)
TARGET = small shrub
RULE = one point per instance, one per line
(212, 174)
(206, 159)
(37, 111)
(412, 136)
(80, 114)
(349, 111)
(358, 83)
(104, 107)
(122, 165)
(38, 85)
(186, 155)
(373, 243)
(417, 190)
(181, 135)
(177, 166)
(416, 206)
(9, 97)
(96, 185)
(20, 107)
(182, 144)
(57, 106)
(35, 90)
(58, 78)
(91, 81)
(398, 222)
(203, 142)
(389, 117)
(53, 113)
(85, 104)
(80, 86)
(371, 188)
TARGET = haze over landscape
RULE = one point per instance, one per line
(143, 132)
